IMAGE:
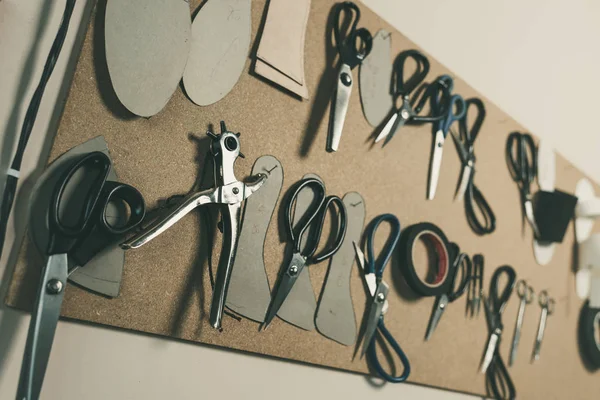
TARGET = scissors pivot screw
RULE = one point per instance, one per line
(380, 298)
(346, 79)
(54, 286)
(404, 114)
(293, 270)
(235, 190)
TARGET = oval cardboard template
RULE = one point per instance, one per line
(220, 44)
(147, 46)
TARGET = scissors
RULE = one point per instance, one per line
(229, 194)
(547, 305)
(372, 269)
(497, 378)
(354, 45)
(475, 292)
(77, 210)
(525, 293)
(304, 254)
(521, 155)
(464, 142)
(413, 94)
(462, 263)
(452, 108)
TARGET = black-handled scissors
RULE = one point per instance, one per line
(77, 208)
(452, 108)
(465, 145)
(411, 92)
(372, 269)
(354, 45)
(521, 156)
(461, 266)
(303, 254)
(475, 292)
(498, 379)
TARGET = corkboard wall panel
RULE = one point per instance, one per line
(166, 286)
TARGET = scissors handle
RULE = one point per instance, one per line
(451, 107)
(374, 361)
(296, 233)
(470, 135)
(377, 265)
(480, 216)
(498, 380)
(64, 235)
(499, 299)
(521, 154)
(331, 202)
(461, 265)
(354, 45)
(402, 86)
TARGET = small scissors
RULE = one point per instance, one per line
(475, 292)
(462, 263)
(547, 305)
(465, 146)
(372, 269)
(498, 379)
(77, 210)
(452, 108)
(525, 293)
(354, 45)
(302, 257)
(411, 106)
(521, 155)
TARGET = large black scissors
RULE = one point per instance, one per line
(461, 266)
(311, 224)
(372, 269)
(77, 210)
(498, 380)
(521, 155)
(411, 92)
(465, 145)
(354, 45)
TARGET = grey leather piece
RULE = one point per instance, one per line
(221, 35)
(104, 272)
(375, 80)
(249, 294)
(335, 315)
(300, 304)
(147, 47)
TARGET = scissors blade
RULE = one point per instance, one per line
(340, 106)
(438, 309)
(489, 352)
(436, 163)
(375, 314)
(286, 282)
(388, 127)
(464, 182)
(530, 217)
(370, 278)
(42, 327)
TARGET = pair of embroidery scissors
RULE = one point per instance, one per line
(411, 92)
(452, 108)
(465, 141)
(310, 224)
(78, 229)
(372, 269)
(354, 45)
(461, 265)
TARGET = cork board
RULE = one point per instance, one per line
(166, 286)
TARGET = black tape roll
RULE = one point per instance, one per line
(435, 239)
(589, 342)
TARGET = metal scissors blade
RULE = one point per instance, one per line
(370, 279)
(436, 163)
(439, 307)
(489, 352)
(375, 314)
(43, 326)
(340, 106)
(388, 127)
(287, 281)
(464, 182)
(528, 207)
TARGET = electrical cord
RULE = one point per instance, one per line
(13, 172)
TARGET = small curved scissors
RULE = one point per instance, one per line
(412, 92)
(77, 209)
(452, 108)
(304, 254)
(372, 271)
(465, 142)
(354, 45)
(462, 264)
(525, 293)
(521, 155)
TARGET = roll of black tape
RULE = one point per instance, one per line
(436, 240)
(589, 334)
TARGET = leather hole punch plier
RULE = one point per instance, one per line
(229, 193)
